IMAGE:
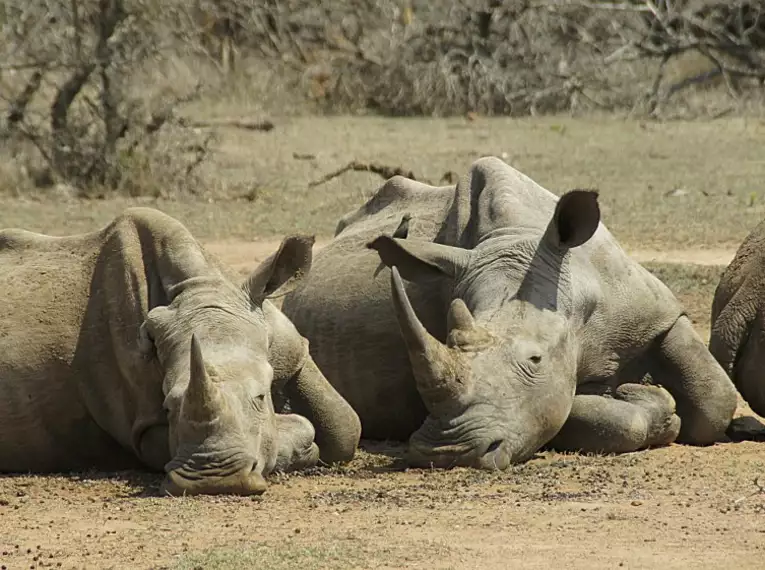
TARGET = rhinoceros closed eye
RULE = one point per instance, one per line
(530, 365)
(258, 401)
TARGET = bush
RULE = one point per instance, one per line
(69, 68)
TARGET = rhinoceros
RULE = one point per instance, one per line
(502, 319)
(133, 346)
(737, 338)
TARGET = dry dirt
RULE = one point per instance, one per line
(673, 507)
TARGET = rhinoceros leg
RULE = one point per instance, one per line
(705, 396)
(636, 417)
(337, 426)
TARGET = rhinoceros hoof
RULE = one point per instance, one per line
(659, 407)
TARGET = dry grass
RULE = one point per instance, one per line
(672, 185)
(275, 557)
(693, 285)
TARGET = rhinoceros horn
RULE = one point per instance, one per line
(439, 372)
(201, 401)
(464, 333)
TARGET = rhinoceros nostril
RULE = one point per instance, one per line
(494, 446)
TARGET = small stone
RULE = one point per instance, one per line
(636, 503)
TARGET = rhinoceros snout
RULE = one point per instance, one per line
(244, 482)
(495, 457)
(487, 454)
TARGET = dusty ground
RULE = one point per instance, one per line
(675, 507)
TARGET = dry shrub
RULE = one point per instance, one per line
(98, 86)
(512, 57)
(69, 69)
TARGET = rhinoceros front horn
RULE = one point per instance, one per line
(201, 400)
(438, 371)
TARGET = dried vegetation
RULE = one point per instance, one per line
(91, 104)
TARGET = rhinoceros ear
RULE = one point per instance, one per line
(417, 259)
(282, 271)
(576, 218)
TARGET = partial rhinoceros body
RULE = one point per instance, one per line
(737, 338)
(133, 346)
(510, 319)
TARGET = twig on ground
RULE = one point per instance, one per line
(356, 166)
(759, 482)
(264, 126)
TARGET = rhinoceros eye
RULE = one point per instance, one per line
(535, 359)
(258, 401)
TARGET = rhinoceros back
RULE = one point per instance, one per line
(344, 308)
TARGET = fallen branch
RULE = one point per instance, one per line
(264, 126)
(760, 484)
(385, 171)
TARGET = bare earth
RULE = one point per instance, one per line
(672, 507)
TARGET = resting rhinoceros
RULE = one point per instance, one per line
(737, 339)
(132, 345)
(522, 323)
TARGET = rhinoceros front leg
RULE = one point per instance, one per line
(635, 417)
(705, 396)
(337, 425)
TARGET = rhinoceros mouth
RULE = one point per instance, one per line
(244, 482)
(492, 455)
(235, 475)
(462, 444)
(428, 452)
(196, 466)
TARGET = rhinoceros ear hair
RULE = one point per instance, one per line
(416, 259)
(576, 218)
(282, 271)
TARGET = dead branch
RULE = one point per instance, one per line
(112, 13)
(264, 126)
(18, 106)
(89, 53)
(384, 171)
(201, 152)
(759, 482)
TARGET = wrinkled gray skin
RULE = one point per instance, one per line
(737, 339)
(510, 320)
(131, 345)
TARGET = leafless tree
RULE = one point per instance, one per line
(76, 61)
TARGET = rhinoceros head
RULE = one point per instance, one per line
(502, 382)
(212, 343)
